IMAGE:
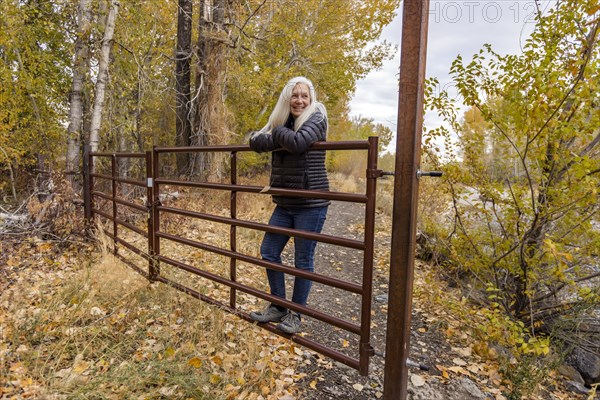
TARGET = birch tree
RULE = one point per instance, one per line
(80, 69)
(102, 79)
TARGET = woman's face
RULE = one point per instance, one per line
(300, 99)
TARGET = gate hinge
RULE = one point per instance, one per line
(367, 349)
(150, 205)
(374, 173)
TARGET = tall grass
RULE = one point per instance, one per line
(105, 332)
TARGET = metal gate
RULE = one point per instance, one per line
(154, 210)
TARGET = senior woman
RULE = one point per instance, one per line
(297, 121)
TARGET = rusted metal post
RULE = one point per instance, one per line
(113, 167)
(87, 189)
(408, 151)
(232, 228)
(366, 351)
(149, 199)
(155, 266)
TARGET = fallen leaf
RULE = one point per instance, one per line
(170, 352)
(97, 312)
(463, 352)
(459, 370)
(358, 387)
(168, 391)
(80, 365)
(195, 362)
(474, 368)
(459, 362)
(313, 384)
(417, 380)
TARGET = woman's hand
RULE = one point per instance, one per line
(261, 142)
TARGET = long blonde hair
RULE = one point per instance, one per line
(281, 112)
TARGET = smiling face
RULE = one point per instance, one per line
(300, 99)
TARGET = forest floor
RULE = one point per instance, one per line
(78, 324)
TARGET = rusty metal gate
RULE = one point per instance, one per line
(153, 235)
(406, 175)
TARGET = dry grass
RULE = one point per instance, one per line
(104, 332)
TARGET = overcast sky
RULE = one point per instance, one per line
(455, 27)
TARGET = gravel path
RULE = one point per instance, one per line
(327, 379)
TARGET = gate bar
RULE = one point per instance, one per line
(341, 145)
(113, 168)
(150, 222)
(121, 180)
(155, 267)
(87, 192)
(337, 322)
(365, 349)
(320, 237)
(232, 228)
(404, 220)
(326, 351)
(316, 194)
(313, 276)
(120, 201)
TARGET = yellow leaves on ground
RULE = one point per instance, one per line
(214, 379)
(195, 362)
(93, 329)
(80, 365)
(170, 352)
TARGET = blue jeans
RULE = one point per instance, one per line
(306, 219)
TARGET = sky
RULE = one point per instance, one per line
(455, 27)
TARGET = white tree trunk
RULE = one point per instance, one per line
(80, 67)
(102, 75)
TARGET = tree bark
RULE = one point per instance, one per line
(102, 80)
(210, 78)
(183, 126)
(80, 67)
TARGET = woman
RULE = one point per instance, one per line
(297, 121)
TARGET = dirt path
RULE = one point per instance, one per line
(335, 380)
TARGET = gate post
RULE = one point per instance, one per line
(113, 168)
(149, 202)
(87, 187)
(155, 199)
(233, 229)
(404, 221)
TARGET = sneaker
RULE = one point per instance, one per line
(269, 314)
(290, 323)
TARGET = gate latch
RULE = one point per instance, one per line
(435, 174)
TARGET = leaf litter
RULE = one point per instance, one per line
(101, 328)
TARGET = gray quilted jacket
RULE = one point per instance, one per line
(293, 165)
